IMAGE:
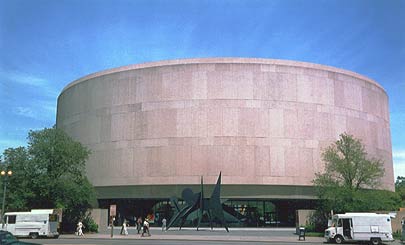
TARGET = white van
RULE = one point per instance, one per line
(372, 227)
(38, 222)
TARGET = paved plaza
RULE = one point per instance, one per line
(248, 235)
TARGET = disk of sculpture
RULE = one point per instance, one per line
(196, 201)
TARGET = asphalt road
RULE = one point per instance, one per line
(185, 236)
(150, 242)
(188, 236)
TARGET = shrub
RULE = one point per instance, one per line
(318, 221)
(90, 225)
(397, 235)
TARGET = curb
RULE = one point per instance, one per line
(199, 238)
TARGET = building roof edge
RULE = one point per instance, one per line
(222, 60)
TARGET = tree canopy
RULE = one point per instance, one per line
(400, 188)
(49, 173)
(350, 179)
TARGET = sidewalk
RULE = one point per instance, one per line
(273, 235)
(280, 235)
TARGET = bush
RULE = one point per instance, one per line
(310, 227)
(90, 225)
(397, 235)
(318, 221)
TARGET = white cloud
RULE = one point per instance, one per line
(399, 169)
(29, 80)
(398, 154)
(25, 111)
(26, 79)
(42, 104)
(39, 110)
(399, 162)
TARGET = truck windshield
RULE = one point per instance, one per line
(334, 223)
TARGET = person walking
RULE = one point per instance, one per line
(145, 227)
(124, 230)
(125, 227)
(164, 224)
(139, 224)
(79, 229)
(122, 227)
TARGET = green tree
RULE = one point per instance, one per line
(400, 189)
(350, 178)
(19, 185)
(50, 173)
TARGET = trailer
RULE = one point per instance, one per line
(354, 227)
(36, 223)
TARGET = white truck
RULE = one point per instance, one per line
(353, 227)
(38, 222)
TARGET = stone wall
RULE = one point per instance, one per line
(100, 217)
(259, 121)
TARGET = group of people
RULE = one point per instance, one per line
(144, 226)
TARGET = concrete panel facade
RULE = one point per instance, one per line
(259, 121)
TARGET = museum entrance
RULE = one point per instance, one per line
(238, 212)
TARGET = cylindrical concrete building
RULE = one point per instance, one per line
(155, 128)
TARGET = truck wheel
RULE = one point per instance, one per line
(339, 239)
(375, 241)
(34, 235)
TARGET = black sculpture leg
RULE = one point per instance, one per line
(201, 204)
(176, 216)
(226, 227)
(185, 215)
(219, 214)
(215, 203)
(199, 219)
(183, 220)
(210, 217)
(224, 224)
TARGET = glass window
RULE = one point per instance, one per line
(334, 222)
(53, 217)
(11, 219)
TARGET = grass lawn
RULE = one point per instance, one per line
(314, 234)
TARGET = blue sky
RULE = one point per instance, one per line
(46, 44)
